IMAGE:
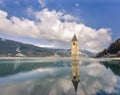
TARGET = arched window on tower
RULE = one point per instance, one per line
(73, 43)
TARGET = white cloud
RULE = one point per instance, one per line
(3, 13)
(55, 27)
(77, 4)
(16, 26)
(42, 3)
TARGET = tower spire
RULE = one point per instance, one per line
(74, 38)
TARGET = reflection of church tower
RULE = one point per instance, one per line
(75, 62)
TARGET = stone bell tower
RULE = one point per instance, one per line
(75, 48)
(75, 62)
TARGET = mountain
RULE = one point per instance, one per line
(112, 51)
(87, 53)
(13, 48)
(17, 49)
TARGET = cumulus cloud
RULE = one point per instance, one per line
(55, 27)
(16, 26)
(3, 13)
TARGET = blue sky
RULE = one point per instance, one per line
(52, 23)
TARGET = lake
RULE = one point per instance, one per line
(37, 76)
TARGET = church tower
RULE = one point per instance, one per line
(75, 48)
(75, 62)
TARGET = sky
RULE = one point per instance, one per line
(52, 23)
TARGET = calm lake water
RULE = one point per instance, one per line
(53, 77)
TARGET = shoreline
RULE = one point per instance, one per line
(35, 57)
(52, 57)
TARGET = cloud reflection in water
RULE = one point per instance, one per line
(94, 77)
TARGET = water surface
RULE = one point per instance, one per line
(53, 77)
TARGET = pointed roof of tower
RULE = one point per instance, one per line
(74, 38)
(75, 84)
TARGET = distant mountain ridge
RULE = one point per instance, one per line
(9, 48)
(13, 48)
(112, 51)
(87, 53)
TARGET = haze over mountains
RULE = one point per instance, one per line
(9, 48)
